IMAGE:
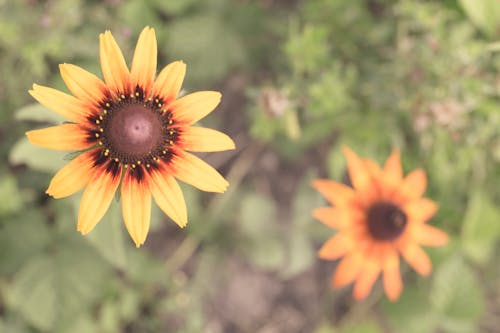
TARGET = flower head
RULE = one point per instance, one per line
(381, 217)
(133, 134)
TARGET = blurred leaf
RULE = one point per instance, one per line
(39, 113)
(265, 246)
(456, 294)
(36, 158)
(480, 229)
(485, 14)
(10, 197)
(109, 317)
(107, 237)
(412, 312)
(173, 7)
(364, 326)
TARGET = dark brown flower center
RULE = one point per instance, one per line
(386, 221)
(134, 130)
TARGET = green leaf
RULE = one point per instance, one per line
(412, 312)
(107, 237)
(480, 229)
(11, 198)
(364, 326)
(39, 113)
(36, 158)
(484, 13)
(456, 294)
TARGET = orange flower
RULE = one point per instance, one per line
(130, 130)
(382, 216)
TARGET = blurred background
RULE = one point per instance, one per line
(299, 79)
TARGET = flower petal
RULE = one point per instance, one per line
(192, 170)
(169, 82)
(144, 62)
(366, 278)
(96, 199)
(392, 167)
(348, 269)
(113, 66)
(136, 207)
(193, 107)
(201, 139)
(63, 104)
(420, 210)
(336, 247)
(62, 137)
(72, 177)
(336, 193)
(393, 284)
(168, 196)
(84, 85)
(428, 235)
(360, 176)
(331, 217)
(414, 184)
(417, 258)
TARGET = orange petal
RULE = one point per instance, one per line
(200, 139)
(192, 170)
(96, 199)
(420, 210)
(413, 186)
(169, 82)
(336, 193)
(72, 177)
(393, 284)
(417, 258)
(168, 196)
(63, 104)
(62, 137)
(136, 207)
(113, 66)
(428, 235)
(84, 85)
(392, 167)
(334, 217)
(144, 62)
(348, 269)
(336, 247)
(193, 107)
(366, 278)
(360, 176)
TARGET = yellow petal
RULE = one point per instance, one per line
(200, 139)
(72, 177)
(417, 258)
(62, 137)
(168, 196)
(84, 85)
(428, 235)
(336, 247)
(192, 170)
(136, 208)
(360, 176)
(144, 62)
(333, 217)
(113, 66)
(96, 199)
(169, 82)
(366, 278)
(336, 193)
(393, 284)
(193, 107)
(63, 104)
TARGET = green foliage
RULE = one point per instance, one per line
(299, 80)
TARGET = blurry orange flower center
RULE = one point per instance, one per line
(134, 129)
(386, 221)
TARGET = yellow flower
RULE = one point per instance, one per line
(130, 129)
(382, 216)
